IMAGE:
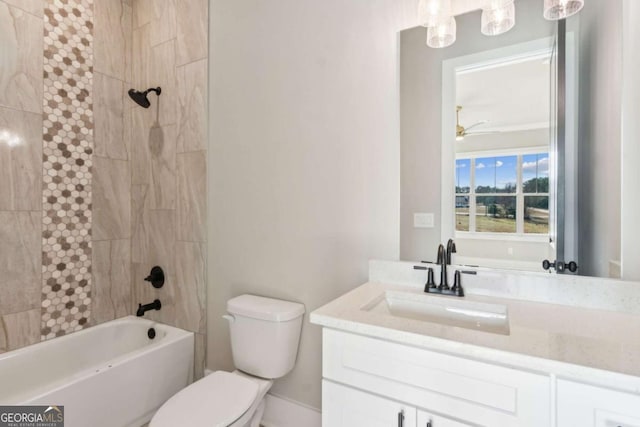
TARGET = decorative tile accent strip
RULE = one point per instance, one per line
(67, 150)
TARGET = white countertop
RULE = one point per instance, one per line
(595, 346)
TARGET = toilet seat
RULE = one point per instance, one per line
(217, 400)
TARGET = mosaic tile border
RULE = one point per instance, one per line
(67, 159)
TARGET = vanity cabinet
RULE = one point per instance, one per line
(347, 407)
(431, 383)
(589, 406)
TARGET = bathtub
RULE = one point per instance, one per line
(110, 375)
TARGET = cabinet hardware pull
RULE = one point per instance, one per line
(401, 418)
(429, 424)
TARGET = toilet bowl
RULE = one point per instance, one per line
(221, 399)
(265, 334)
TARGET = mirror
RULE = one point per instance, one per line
(483, 151)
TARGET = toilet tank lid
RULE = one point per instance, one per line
(262, 308)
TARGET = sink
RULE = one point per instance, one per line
(450, 311)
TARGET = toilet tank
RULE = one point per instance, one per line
(265, 334)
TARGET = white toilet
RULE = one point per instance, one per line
(265, 334)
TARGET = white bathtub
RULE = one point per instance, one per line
(110, 375)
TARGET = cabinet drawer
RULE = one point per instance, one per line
(346, 407)
(589, 406)
(476, 392)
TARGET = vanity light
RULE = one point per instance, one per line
(499, 18)
(442, 34)
(433, 12)
(560, 9)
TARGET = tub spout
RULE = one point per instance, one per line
(142, 309)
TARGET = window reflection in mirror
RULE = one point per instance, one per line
(501, 157)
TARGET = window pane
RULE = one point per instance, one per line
(463, 175)
(536, 214)
(496, 174)
(535, 173)
(462, 213)
(496, 214)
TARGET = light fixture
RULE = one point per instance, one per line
(442, 34)
(560, 9)
(433, 12)
(498, 19)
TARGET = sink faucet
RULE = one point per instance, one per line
(451, 249)
(442, 261)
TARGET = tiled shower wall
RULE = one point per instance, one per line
(61, 129)
(168, 160)
(128, 185)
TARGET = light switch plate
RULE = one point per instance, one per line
(423, 220)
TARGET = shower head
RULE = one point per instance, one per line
(141, 98)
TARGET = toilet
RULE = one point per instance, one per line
(265, 334)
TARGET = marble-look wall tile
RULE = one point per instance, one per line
(110, 32)
(19, 329)
(20, 261)
(192, 199)
(34, 7)
(200, 356)
(127, 28)
(139, 222)
(157, 247)
(108, 111)
(21, 44)
(160, 15)
(163, 73)
(111, 199)
(20, 160)
(192, 31)
(190, 286)
(153, 153)
(140, 58)
(111, 291)
(192, 106)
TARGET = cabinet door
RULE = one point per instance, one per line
(426, 419)
(347, 407)
(588, 406)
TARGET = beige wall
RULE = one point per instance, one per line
(168, 162)
(599, 133)
(304, 159)
(420, 116)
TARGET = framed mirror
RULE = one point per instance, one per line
(490, 160)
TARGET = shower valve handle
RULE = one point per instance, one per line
(156, 277)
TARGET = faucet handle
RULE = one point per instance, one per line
(431, 283)
(457, 284)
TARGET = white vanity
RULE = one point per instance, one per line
(521, 349)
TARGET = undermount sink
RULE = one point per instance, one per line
(443, 310)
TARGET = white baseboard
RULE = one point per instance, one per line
(282, 412)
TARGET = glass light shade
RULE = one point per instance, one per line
(499, 20)
(561, 9)
(495, 4)
(433, 12)
(443, 34)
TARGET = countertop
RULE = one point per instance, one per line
(595, 346)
